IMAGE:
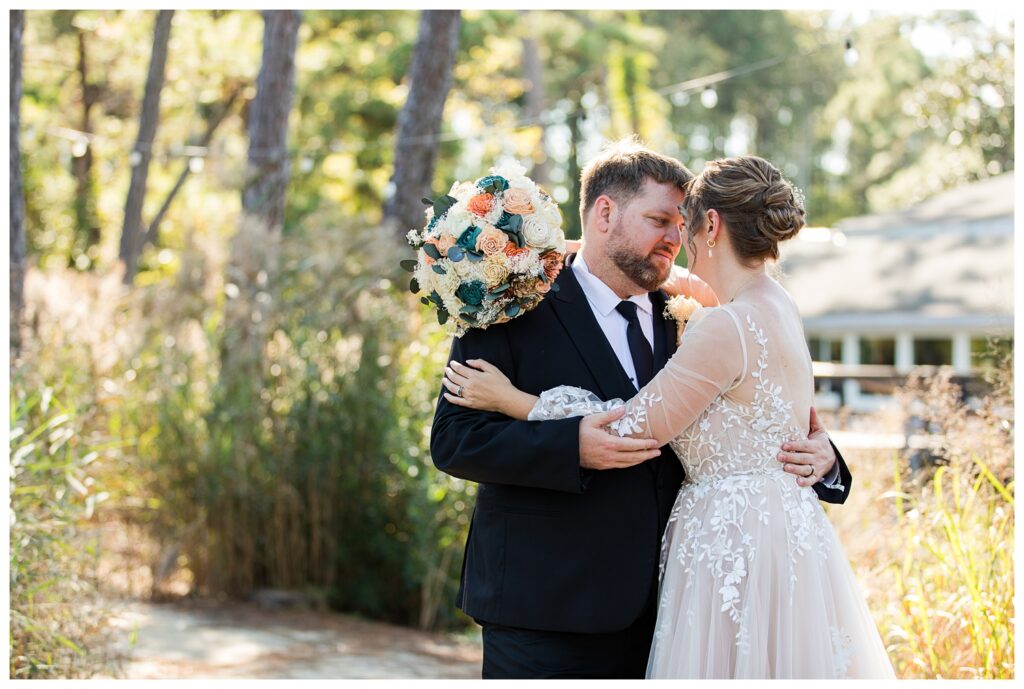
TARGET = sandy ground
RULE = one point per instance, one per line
(201, 639)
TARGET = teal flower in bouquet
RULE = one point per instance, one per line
(467, 240)
(492, 184)
(472, 292)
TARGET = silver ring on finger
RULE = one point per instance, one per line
(459, 393)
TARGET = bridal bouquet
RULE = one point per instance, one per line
(489, 252)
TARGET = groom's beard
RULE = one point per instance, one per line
(639, 268)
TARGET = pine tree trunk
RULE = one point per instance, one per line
(419, 123)
(253, 253)
(264, 193)
(533, 73)
(252, 267)
(17, 258)
(573, 226)
(87, 226)
(142, 154)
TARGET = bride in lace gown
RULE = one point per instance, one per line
(754, 583)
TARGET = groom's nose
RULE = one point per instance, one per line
(674, 235)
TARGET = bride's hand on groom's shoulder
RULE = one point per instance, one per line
(478, 384)
(682, 282)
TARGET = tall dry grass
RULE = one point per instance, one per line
(66, 446)
(305, 468)
(934, 549)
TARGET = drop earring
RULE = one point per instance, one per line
(711, 245)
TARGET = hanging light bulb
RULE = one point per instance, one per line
(709, 97)
(851, 55)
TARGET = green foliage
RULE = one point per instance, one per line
(311, 471)
(57, 625)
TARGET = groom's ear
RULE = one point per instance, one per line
(604, 206)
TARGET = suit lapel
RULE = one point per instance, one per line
(664, 331)
(573, 310)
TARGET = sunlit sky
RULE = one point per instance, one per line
(932, 39)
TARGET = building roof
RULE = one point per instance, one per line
(940, 265)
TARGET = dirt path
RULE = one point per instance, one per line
(193, 639)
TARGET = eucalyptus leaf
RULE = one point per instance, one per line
(510, 222)
(456, 254)
(442, 205)
(409, 265)
(414, 286)
(431, 250)
(438, 269)
(512, 310)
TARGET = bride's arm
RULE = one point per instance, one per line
(481, 385)
(710, 360)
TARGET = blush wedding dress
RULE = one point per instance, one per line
(753, 581)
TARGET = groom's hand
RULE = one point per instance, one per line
(600, 449)
(812, 459)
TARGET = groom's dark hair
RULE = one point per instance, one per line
(620, 170)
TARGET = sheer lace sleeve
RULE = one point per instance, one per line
(711, 359)
(565, 401)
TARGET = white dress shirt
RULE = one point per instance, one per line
(613, 324)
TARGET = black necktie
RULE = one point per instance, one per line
(639, 347)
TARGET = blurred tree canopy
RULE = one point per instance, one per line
(882, 132)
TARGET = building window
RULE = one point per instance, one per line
(991, 352)
(878, 350)
(933, 351)
(825, 349)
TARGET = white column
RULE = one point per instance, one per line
(851, 356)
(825, 354)
(825, 349)
(962, 352)
(904, 352)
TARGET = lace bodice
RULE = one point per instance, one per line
(725, 402)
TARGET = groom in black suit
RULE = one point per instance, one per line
(561, 563)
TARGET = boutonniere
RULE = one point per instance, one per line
(681, 309)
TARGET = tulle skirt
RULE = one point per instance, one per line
(754, 584)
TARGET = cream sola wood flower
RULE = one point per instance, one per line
(681, 310)
(489, 251)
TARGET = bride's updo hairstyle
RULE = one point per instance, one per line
(760, 208)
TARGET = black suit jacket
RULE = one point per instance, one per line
(553, 546)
